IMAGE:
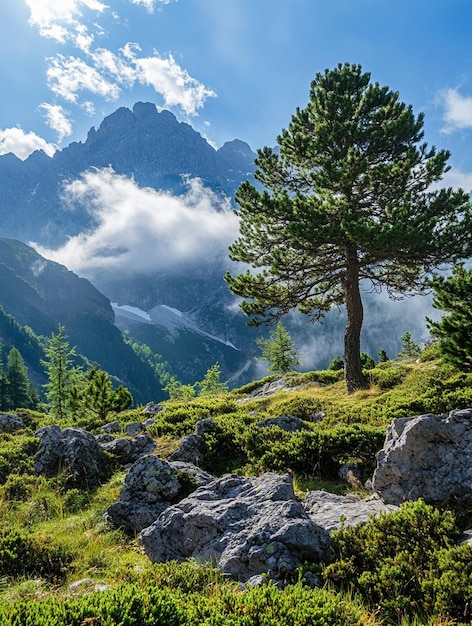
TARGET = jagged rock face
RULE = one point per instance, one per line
(152, 147)
(248, 526)
(427, 456)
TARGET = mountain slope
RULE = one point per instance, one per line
(41, 294)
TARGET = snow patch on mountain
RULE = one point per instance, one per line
(170, 318)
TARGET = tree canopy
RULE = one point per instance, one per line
(453, 294)
(346, 202)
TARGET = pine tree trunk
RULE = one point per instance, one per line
(352, 335)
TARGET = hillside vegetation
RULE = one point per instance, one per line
(404, 568)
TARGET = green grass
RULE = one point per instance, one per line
(57, 534)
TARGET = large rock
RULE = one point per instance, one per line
(9, 422)
(150, 487)
(128, 450)
(427, 457)
(332, 511)
(248, 526)
(72, 450)
(191, 447)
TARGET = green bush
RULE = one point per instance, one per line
(404, 563)
(152, 605)
(318, 452)
(388, 374)
(17, 453)
(32, 555)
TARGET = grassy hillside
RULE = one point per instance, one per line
(408, 568)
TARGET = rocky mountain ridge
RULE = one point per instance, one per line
(150, 146)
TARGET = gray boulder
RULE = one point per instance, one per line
(129, 450)
(248, 526)
(151, 485)
(72, 450)
(332, 511)
(289, 423)
(133, 429)
(426, 456)
(9, 422)
(190, 448)
(112, 427)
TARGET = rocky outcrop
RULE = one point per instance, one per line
(332, 511)
(191, 447)
(9, 422)
(72, 450)
(248, 526)
(427, 456)
(150, 487)
(128, 450)
(288, 423)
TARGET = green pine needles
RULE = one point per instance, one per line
(346, 202)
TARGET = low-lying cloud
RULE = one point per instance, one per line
(142, 230)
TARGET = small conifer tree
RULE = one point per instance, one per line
(279, 350)
(211, 384)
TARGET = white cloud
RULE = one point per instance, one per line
(105, 74)
(458, 110)
(455, 178)
(23, 143)
(175, 85)
(149, 4)
(56, 118)
(68, 76)
(54, 18)
(140, 229)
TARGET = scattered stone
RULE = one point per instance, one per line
(9, 422)
(152, 408)
(150, 487)
(332, 511)
(427, 456)
(289, 423)
(72, 450)
(190, 448)
(133, 429)
(112, 427)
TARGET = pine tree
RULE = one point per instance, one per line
(3, 382)
(346, 199)
(211, 384)
(18, 383)
(179, 391)
(98, 397)
(279, 350)
(453, 295)
(409, 350)
(383, 356)
(58, 365)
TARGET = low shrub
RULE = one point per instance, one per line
(22, 554)
(17, 452)
(405, 563)
(152, 605)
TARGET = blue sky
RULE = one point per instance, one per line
(231, 68)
